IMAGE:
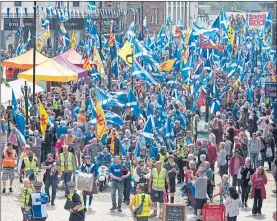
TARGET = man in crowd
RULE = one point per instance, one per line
(117, 183)
(8, 163)
(67, 166)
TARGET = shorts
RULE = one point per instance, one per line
(157, 196)
(8, 173)
(199, 203)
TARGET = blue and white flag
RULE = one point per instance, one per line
(140, 73)
(148, 131)
(132, 102)
(113, 119)
(268, 23)
(186, 71)
(215, 106)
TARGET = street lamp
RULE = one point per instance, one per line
(26, 91)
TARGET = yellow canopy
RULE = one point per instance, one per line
(50, 71)
(25, 61)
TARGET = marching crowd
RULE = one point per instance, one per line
(241, 143)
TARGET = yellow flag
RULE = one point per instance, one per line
(73, 39)
(43, 118)
(46, 34)
(126, 53)
(101, 124)
(97, 60)
(167, 65)
(231, 35)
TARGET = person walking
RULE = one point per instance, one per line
(157, 181)
(90, 168)
(127, 181)
(223, 189)
(180, 150)
(67, 166)
(200, 185)
(221, 159)
(37, 203)
(235, 163)
(117, 182)
(30, 166)
(140, 200)
(50, 177)
(254, 146)
(232, 204)
(172, 170)
(246, 173)
(8, 163)
(77, 213)
(259, 180)
(26, 191)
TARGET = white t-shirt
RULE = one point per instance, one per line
(232, 206)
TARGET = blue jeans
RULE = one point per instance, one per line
(89, 199)
(254, 160)
(119, 186)
(51, 182)
(66, 179)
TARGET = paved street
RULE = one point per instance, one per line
(101, 207)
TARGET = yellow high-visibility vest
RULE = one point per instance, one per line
(159, 178)
(30, 165)
(25, 196)
(146, 204)
(69, 162)
(70, 196)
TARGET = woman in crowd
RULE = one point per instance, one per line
(232, 204)
(223, 191)
(246, 174)
(221, 159)
(259, 180)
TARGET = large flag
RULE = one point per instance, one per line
(101, 124)
(140, 73)
(126, 53)
(19, 135)
(132, 103)
(268, 23)
(43, 118)
(73, 39)
(167, 65)
(148, 131)
(215, 106)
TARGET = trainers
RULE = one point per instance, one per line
(113, 208)
(52, 203)
(154, 213)
(89, 207)
(4, 190)
(119, 209)
(245, 205)
(11, 190)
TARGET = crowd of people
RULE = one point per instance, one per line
(152, 142)
(72, 145)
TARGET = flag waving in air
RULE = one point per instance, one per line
(101, 123)
(167, 65)
(126, 53)
(43, 118)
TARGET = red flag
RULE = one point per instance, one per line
(177, 31)
(201, 99)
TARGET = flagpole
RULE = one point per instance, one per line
(34, 53)
(100, 35)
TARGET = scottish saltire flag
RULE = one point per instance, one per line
(186, 71)
(91, 5)
(19, 118)
(215, 106)
(148, 131)
(105, 98)
(14, 105)
(149, 110)
(140, 73)
(221, 22)
(113, 119)
(214, 90)
(268, 23)
(114, 58)
(168, 21)
(160, 100)
(180, 25)
(132, 102)
(76, 111)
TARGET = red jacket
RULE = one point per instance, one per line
(212, 154)
(263, 182)
(232, 162)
